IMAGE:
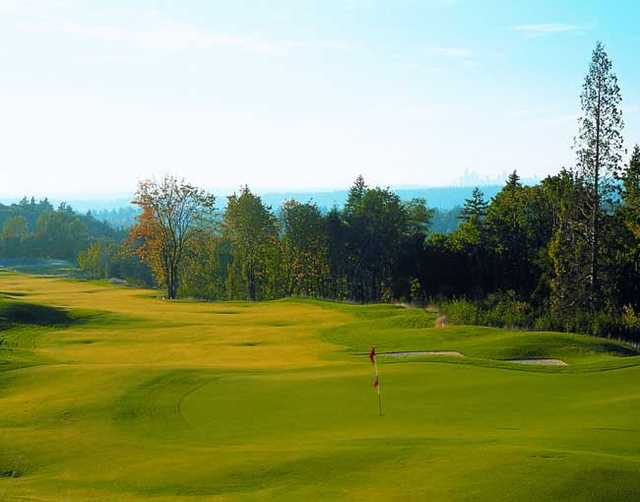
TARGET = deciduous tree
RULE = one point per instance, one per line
(250, 226)
(173, 212)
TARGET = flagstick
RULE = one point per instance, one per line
(375, 365)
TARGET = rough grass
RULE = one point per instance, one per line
(149, 400)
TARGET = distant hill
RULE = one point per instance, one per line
(445, 198)
(119, 213)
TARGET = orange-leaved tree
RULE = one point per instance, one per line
(173, 213)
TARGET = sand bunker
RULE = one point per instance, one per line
(422, 353)
(542, 362)
(446, 353)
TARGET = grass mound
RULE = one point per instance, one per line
(409, 330)
(12, 313)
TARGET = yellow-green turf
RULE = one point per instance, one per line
(118, 395)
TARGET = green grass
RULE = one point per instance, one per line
(133, 398)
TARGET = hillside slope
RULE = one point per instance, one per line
(121, 396)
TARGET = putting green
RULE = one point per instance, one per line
(118, 395)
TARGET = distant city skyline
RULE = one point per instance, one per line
(297, 95)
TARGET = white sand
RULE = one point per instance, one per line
(422, 353)
(542, 362)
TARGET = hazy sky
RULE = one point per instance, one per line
(95, 95)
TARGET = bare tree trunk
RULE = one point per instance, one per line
(251, 284)
(595, 231)
(174, 286)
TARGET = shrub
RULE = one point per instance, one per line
(505, 310)
(498, 309)
(417, 296)
(630, 318)
(460, 311)
(545, 321)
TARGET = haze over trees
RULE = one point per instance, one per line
(561, 254)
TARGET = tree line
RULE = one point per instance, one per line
(560, 254)
(37, 229)
(249, 252)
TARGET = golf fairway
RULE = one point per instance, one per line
(125, 396)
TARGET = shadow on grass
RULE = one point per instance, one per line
(12, 313)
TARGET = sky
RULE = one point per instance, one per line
(298, 94)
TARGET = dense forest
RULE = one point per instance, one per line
(35, 229)
(562, 254)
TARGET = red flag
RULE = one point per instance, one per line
(376, 380)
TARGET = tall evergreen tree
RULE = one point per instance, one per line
(513, 180)
(469, 239)
(356, 192)
(630, 212)
(511, 236)
(304, 242)
(599, 153)
(337, 253)
(474, 208)
(631, 192)
(568, 248)
(251, 228)
(376, 221)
